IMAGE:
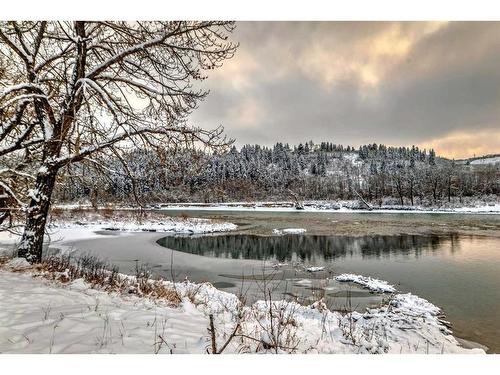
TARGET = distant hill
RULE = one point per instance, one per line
(376, 173)
(482, 160)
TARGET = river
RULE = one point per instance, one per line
(453, 260)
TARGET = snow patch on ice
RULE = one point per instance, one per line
(289, 231)
(303, 282)
(279, 265)
(372, 284)
(339, 207)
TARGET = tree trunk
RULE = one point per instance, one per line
(411, 192)
(31, 244)
(449, 189)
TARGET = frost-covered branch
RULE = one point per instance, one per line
(74, 90)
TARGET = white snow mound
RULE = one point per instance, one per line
(18, 264)
(375, 285)
(289, 231)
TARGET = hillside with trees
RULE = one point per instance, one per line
(379, 174)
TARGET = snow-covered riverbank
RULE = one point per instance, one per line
(49, 316)
(61, 231)
(167, 225)
(491, 206)
(342, 207)
(71, 316)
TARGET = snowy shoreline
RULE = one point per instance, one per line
(483, 210)
(42, 316)
(63, 232)
(405, 324)
(480, 208)
(166, 225)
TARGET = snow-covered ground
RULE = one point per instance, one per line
(493, 208)
(488, 205)
(483, 161)
(64, 231)
(170, 225)
(42, 316)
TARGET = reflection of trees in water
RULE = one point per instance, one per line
(306, 247)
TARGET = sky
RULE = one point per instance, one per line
(430, 84)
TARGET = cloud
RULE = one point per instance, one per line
(466, 143)
(359, 82)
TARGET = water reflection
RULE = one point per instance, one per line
(308, 248)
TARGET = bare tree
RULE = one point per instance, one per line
(74, 91)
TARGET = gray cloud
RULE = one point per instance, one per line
(356, 82)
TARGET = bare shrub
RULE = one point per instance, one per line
(101, 274)
(265, 326)
(56, 212)
(108, 211)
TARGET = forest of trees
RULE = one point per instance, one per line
(326, 171)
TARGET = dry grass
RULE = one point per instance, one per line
(108, 211)
(4, 259)
(56, 212)
(102, 275)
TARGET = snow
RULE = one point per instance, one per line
(18, 264)
(42, 170)
(489, 209)
(38, 317)
(171, 225)
(8, 238)
(478, 209)
(483, 161)
(65, 232)
(9, 89)
(410, 303)
(372, 284)
(353, 158)
(289, 231)
(42, 316)
(303, 282)
(279, 265)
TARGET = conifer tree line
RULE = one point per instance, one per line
(326, 171)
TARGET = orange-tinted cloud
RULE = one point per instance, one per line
(466, 144)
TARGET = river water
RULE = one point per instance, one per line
(453, 260)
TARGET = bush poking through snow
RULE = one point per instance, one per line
(18, 264)
(403, 324)
(101, 274)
